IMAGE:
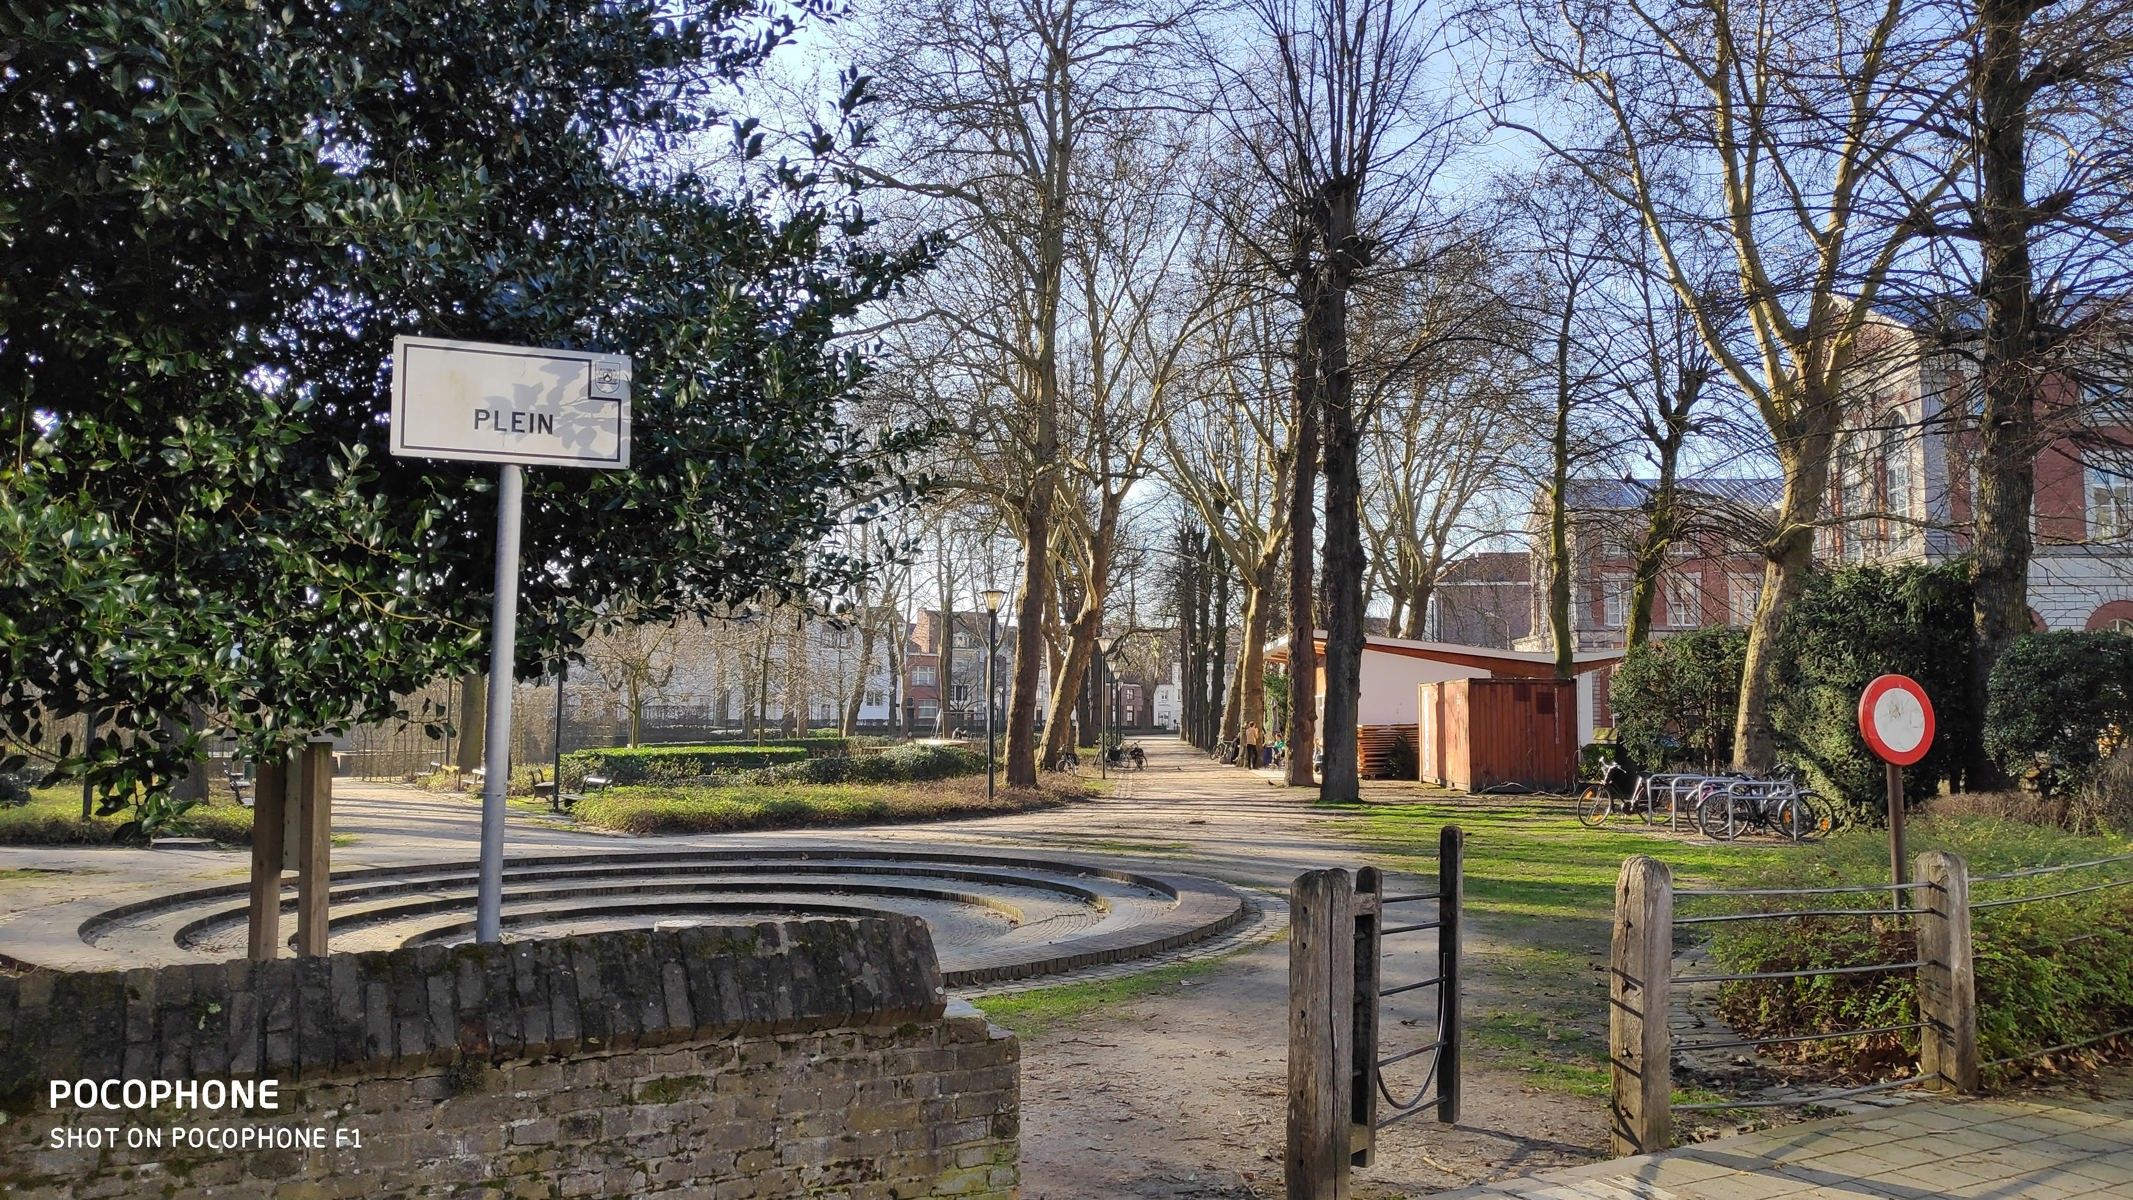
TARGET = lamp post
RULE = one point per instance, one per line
(994, 598)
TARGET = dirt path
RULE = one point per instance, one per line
(1183, 1092)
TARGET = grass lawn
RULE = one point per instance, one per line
(652, 809)
(1540, 900)
(53, 818)
(1072, 1005)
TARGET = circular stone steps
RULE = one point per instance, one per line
(993, 918)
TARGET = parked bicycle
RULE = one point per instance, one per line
(1122, 755)
(1731, 806)
(1721, 806)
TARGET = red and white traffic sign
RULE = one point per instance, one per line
(1896, 719)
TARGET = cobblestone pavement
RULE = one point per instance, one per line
(2063, 1146)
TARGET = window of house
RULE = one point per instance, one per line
(2107, 483)
(1743, 591)
(927, 710)
(924, 677)
(838, 638)
(1614, 601)
(1895, 471)
(1855, 497)
(876, 699)
(965, 640)
(825, 711)
(1684, 601)
(962, 693)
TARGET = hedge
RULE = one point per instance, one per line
(673, 763)
(1674, 699)
(2057, 703)
(1849, 626)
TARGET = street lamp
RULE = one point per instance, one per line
(994, 598)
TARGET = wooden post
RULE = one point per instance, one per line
(1638, 1042)
(314, 846)
(270, 797)
(1363, 1047)
(1321, 1029)
(1947, 978)
(1899, 858)
(1451, 891)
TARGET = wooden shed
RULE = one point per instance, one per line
(1474, 734)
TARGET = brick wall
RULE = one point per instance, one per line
(808, 1058)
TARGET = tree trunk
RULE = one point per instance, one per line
(896, 675)
(1020, 758)
(473, 720)
(859, 686)
(1067, 682)
(636, 712)
(1218, 649)
(1659, 527)
(1559, 564)
(1258, 622)
(2006, 474)
(1789, 559)
(1417, 627)
(1344, 561)
(1303, 520)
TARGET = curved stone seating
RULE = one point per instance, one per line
(992, 918)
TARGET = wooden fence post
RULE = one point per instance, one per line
(1638, 1042)
(314, 845)
(1321, 1032)
(1947, 975)
(270, 797)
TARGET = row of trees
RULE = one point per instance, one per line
(1340, 284)
(1251, 254)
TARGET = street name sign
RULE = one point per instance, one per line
(518, 406)
(483, 402)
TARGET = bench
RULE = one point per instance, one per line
(239, 786)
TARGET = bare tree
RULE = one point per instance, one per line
(636, 661)
(1001, 106)
(1435, 347)
(1228, 452)
(1783, 134)
(1330, 108)
(2044, 244)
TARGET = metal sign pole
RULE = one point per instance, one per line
(496, 752)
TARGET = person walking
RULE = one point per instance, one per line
(1253, 736)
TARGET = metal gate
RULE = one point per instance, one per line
(1347, 1078)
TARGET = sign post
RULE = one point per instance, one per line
(519, 406)
(1896, 719)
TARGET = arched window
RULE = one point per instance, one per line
(2115, 616)
(1896, 471)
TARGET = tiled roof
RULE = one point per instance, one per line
(1750, 491)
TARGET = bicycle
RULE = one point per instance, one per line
(1731, 806)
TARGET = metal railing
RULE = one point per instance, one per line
(1899, 910)
(2049, 873)
(1936, 911)
(1341, 1085)
(1438, 1089)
